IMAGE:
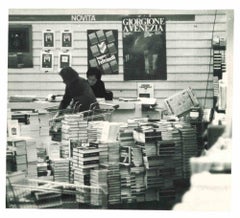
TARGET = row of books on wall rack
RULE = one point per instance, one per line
(219, 68)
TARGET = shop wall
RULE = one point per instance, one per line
(189, 58)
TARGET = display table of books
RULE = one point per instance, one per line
(108, 164)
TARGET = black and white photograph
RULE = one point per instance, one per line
(120, 110)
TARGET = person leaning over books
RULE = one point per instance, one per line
(94, 79)
(77, 90)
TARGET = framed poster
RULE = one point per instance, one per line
(48, 39)
(64, 60)
(66, 39)
(144, 48)
(46, 61)
(103, 50)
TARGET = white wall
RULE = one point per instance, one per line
(189, 57)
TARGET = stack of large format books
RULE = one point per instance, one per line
(60, 170)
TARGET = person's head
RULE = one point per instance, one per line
(68, 75)
(93, 75)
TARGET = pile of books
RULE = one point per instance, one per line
(189, 147)
(53, 150)
(74, 127)
(138, 186)
(60, 169)
(109, 152)
(31, 158)
(42, 168)
(126, 192)
(65, 149)
(114, 183)
(98, 180)
(19, 146)
(84, 159)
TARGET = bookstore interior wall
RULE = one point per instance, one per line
(188, 51)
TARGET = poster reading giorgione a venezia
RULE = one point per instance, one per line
(144, 48)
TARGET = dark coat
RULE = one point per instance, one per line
(78, 90)
(99, 89)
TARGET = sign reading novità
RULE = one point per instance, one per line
(83, 17)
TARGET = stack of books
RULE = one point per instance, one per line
(147, 133)
(189, 147)
(71, 171)
(94, 130)
(53, 150)
(137, 156)
(74, 127)
(19, 146)
(98, 180)
(114, 183)
(42, 168)
(109, 152)
(178, 158)
(84, 159)
(138, 186)
(126, 192)
(41, 153)
(32, 159)
(83, 133)
(65, 149)
(60, 169)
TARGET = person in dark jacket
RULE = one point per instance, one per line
(77, 90)
(94, 79)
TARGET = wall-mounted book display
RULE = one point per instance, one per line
(47, 61)
(65, 60)
(48, 39)
(66, 39)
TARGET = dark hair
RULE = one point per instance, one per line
(68, 74)
(93, 71)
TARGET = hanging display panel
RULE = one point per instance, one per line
(103, 50)
(144, 48)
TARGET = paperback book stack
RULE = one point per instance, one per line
(126, 191)
(53, 150)
(41, 153)
(71, 171)
(74, 127)
(95, 130)
(84, 159)
(92, 132)
(189, 147)
(20, 153)
(138, 187)
(31, 158)
(42, 168)
(114, 183)
(98, 180)
(178, 157)
(166, 151)
(65, 149)
(171, 133)
(60, 169)
(109, 152)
